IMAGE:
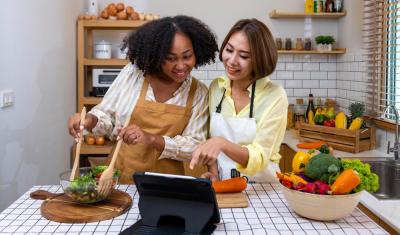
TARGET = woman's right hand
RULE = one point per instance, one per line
(75, 126)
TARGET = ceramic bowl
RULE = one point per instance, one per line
(321, 207)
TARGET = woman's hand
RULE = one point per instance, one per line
(207, 152)
(133, 134)
(75, 126)
(212, 173)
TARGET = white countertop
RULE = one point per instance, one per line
(387, 210)
(267, 213)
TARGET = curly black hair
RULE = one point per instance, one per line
(150, 44)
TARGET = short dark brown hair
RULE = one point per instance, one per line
(149, 45)
(264, 54)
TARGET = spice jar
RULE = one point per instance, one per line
(278, 42)
(307, 44)
(299, 44)
(288, 44)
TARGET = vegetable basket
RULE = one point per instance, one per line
(321, 207)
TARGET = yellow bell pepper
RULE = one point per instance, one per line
(299, 162)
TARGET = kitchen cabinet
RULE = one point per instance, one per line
(276, 14)
(287, 154)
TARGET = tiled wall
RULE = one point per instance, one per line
(300, 75)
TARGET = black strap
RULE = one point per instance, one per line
(219, 107)
(253, 91)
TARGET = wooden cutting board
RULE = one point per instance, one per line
(61, 208)
(232, 200)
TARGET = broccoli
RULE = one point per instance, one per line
(323, 167)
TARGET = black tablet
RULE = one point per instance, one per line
(192, 199)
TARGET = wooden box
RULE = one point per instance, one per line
(340, 139)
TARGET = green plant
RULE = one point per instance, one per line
(356, 109)
(324, 39)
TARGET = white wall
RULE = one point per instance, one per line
(37, 61)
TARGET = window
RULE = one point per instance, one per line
(381, 27)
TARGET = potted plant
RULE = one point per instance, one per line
(324, 43)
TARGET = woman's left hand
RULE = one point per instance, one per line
(133, 134)
(207, 152)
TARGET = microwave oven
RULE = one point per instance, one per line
(102, 80)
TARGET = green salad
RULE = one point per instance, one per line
(84, 188)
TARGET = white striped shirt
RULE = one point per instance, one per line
(122, 96)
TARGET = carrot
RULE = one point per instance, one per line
(234, 185)
(345, 182)
(295, 179)
(311, 145)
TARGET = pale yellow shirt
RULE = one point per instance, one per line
(122, 97)
(269, 110)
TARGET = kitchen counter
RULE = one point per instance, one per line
(387, 210)
(268, 212)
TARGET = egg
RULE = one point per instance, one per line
(104, 14)
(135, 16)
(148, 16)
(141, 16)
(122, 15)
(112, 11)
(129, 10)
(120, 7)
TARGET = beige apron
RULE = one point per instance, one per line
(155, 118)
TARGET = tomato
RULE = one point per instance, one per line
(299, 161)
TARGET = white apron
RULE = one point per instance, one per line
(239, 131)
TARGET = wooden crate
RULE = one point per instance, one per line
(340, 139)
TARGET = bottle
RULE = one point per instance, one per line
(310, 109)
(307, 44)
(329, 6)
(288, 44)
(278, 42)
(316, 3)
(309, 6)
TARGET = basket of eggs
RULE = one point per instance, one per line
(323, 187)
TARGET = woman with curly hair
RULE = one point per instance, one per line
(248, 112)
(168, 108)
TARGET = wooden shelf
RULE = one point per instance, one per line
(97, 149)
(334, 51)
(92, 100)
(105, 62)
(112, 24)
(282, 14)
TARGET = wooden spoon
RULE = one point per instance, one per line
(75, 168)
(106, 178)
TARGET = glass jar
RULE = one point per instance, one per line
(307, 44)
(338, 5)
(299, 44)
(288, 44)
(278, 42)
